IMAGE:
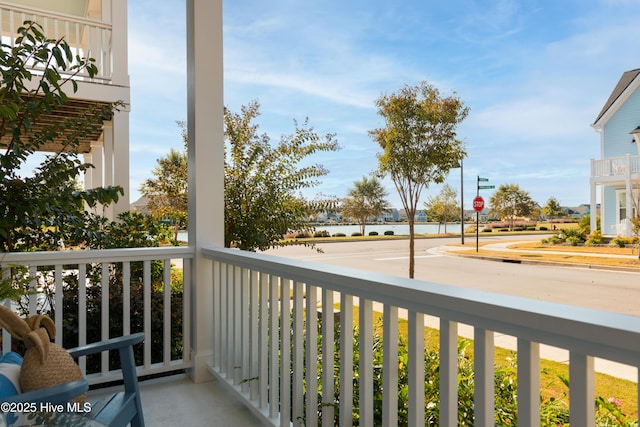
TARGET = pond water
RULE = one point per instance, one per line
(398, 229)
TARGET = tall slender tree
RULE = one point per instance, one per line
(366, 199)
(419, 142)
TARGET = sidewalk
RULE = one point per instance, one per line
(614, 369)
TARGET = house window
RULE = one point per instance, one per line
(621, 205)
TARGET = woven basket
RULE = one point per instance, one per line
(44, 364)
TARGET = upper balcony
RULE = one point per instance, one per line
(91, 27)
(615, 169)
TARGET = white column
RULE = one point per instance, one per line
(108, 160)
(592, 191)
(206, 167)
(97, 179)
(87, 179)
(629, 194)
(120, 134)
(119, 37)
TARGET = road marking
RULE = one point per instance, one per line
(406, 257)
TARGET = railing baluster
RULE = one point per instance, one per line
(166, 336)
(274, 339)
(58, 304)
(390, 366)
(448, 372)
(126, 298)
(528, 383)
(415, 404)
(297, 379)
(186, 310)
(146, 291)
(104, 294)
(581, 390)
(33, 285)
(245, 319)
(222, 307)
(484, 383)
(346, 360)
(366, 361)
(229, 332)
(236, 335)
(312, 356)
(327, 358)
(82, 312)
(263, 342)
(254, 350)
(285, 352)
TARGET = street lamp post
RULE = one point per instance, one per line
(461, 204)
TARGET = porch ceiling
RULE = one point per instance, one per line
(73, 108)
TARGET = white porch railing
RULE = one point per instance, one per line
(86, 37)
(255, 294)
(616, 167)
(138, 286)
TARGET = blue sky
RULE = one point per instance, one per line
(534, 73)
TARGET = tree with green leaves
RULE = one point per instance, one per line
(167, 192)
(39, 211)
(553, 209)
(419, 142)
(365, 200)
(263, 181)
(510, 202)
(444, 207)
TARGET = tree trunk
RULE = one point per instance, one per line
(411, 249)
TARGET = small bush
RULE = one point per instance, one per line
(573, 240)
(518, 228)
(373, 233)
(356, 234)
(388, 233)
(323, 233)
(503, 229)
(339, 235)
(531, 229)
(555, 240)
(620, 242)
(543, 228)
(486, 230)
(302, 235)
(595, 238)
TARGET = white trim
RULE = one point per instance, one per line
(635, 83)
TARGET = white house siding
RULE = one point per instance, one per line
(617, 140)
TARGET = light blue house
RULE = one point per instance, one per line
(617, 172)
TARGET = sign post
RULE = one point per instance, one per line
(478, 204)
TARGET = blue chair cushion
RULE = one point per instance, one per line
(10, 364)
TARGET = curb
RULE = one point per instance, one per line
(550, 263)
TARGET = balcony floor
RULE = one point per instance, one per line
(177, 401)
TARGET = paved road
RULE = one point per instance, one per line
(600, 289)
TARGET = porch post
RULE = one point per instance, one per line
(593, 207)
(206, 168)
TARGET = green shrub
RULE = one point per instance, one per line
(573, 240)
(356, 234)
(595, 238)
(339, 235)
(518, 228)
(487, 230)
(531, 228)
(388, 233)
(322, 233)
(503, 229)
(373, 233)
(543, 228)
(621, 242)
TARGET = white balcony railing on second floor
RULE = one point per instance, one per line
(620, 167)
(274, 354)
(125, 291)
(87, 37)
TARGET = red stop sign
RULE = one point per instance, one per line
(478, 204)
